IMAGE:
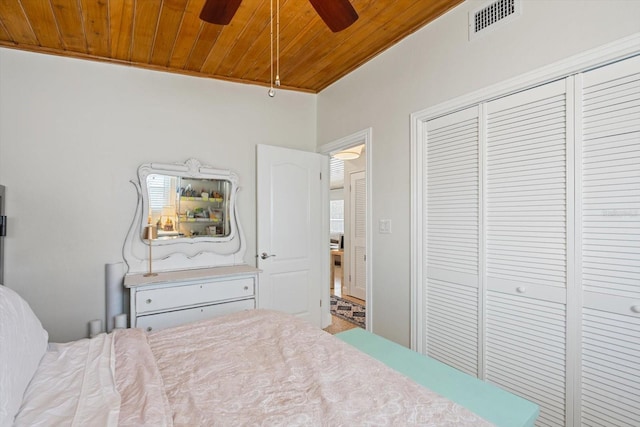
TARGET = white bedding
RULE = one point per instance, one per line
(144, 402)
(73, 386)
(255, 367)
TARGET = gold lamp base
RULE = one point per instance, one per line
(150, 238)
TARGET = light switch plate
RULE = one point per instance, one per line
(384, 226)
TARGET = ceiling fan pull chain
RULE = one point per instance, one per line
(278, 43)
(272, 92)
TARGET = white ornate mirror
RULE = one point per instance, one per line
(191, 210)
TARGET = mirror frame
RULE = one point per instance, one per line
(181, 253)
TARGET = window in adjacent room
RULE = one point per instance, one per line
(336, 216)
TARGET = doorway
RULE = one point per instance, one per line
(350, 225)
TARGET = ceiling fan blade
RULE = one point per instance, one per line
(337, 14)
(219, 12)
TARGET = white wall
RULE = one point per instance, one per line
(433, 65)
(72, 135)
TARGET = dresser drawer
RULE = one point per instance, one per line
(168, 298)
(154, 322)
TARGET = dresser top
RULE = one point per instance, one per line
(139, 279)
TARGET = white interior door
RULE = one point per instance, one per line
(292, 242)
(358, 235)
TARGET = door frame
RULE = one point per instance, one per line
(365, 137)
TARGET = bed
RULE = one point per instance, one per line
(255, 367)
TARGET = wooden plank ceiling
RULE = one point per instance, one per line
(168, 35)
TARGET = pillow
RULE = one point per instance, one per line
(23, 342)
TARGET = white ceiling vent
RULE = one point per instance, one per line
(491, 15)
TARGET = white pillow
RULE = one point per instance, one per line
(23, 342)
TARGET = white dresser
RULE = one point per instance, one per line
(176, 297)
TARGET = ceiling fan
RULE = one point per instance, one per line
(337, 14)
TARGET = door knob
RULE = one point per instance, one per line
(264, 255)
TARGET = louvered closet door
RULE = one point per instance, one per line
(526, 243)
(451, 230)
(358, 239)
(611, 245)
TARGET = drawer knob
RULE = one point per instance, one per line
(635, 308)
(149, 301)
(149, 329)
(521, 289)
(246, 288)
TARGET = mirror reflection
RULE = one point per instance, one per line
(188, 207)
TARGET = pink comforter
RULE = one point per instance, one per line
(266, 368)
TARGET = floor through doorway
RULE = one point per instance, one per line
(338, 324)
